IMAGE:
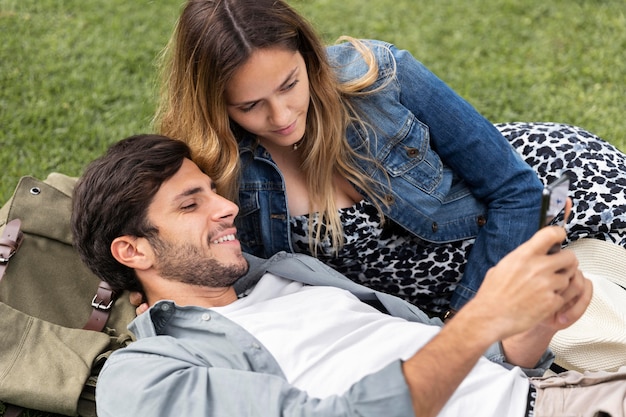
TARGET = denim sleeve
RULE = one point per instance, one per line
(151, 385)
(471, 146)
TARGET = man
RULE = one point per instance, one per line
(228, 334)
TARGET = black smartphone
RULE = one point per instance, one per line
(553, 202)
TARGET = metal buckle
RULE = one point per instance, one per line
(4, 260)
(98, 304)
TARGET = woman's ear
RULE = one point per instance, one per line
(134, 252)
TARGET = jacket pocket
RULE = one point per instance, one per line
(248, 223)
(408, 155)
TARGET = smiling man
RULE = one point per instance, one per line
(228, 334)
(194, 248)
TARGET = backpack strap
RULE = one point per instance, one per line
(10, 241)
(101, 303)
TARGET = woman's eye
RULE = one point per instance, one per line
(248, 108)
(292, 85)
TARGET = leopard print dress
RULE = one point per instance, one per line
(389, 259)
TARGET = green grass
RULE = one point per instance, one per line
(78, 75)
(75, 76)
(561, 60)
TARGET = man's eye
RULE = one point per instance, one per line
(188, 207)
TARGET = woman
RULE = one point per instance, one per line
(356, 153)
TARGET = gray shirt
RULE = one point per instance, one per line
(193, 361)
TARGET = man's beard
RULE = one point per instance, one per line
(188, 264)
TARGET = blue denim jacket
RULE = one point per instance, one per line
(453, 176)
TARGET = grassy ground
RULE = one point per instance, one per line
(76, 75)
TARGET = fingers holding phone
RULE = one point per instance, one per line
(554, 200)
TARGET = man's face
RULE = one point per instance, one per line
(196, 243)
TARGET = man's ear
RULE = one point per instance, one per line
(134, 252)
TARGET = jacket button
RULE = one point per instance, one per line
(412, 152)
(435, 227)
(389, 199)
(481, 220)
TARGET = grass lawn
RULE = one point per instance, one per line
(76, 75)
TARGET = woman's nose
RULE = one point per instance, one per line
(279, 113)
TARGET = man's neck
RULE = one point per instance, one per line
(186, 295)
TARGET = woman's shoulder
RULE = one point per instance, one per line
(350, 61)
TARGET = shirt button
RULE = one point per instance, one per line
(389, 199)
(165, 307)
(481, 220)
(412, 152)
(206, 317)
(435, 227)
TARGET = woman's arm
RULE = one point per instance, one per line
(477, 152)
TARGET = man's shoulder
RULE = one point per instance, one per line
(295, 266)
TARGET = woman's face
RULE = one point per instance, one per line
(269, 96)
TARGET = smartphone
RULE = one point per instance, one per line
(553, 201)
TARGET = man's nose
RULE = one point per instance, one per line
(224, 208)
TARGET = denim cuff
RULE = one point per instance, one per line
(461, 296)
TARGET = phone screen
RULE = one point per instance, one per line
(553, 200)
(552, 203)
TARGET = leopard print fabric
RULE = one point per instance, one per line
(597, 171)
(389, 259)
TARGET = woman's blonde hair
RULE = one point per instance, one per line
(212, 40)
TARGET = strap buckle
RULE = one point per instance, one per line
(10, 242)
(100, 304)
(5, 260)
(104, 298)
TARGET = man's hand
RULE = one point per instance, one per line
(529, 287)
(523, 301)
(526, 348)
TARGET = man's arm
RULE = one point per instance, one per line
(162, 377)
(523, 301)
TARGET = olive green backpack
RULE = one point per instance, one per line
(58, 321)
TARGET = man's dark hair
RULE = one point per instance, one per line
(112, 197)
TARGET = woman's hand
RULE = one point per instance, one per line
(137, 299)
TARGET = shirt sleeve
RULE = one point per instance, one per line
(134, 383)
(496, 354)
(476, 151)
